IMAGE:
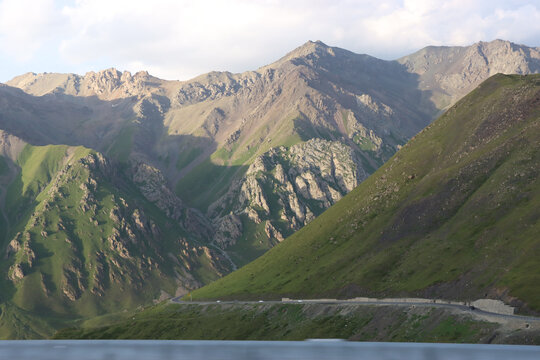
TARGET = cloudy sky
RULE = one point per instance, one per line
(178, 39)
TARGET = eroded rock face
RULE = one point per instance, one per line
(155, 188)
(287, 188)
(16, 272)
(10, 146)
(211, 86)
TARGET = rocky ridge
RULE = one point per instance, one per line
(452, 72)
(106, 84)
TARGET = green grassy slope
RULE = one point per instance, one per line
(38, 166)
(292, 322)
(84, 241)
(453, 214)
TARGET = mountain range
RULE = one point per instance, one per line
(116, 189)
(453, 215)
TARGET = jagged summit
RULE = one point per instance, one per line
(309, 49)
(113, 73)
(105, 84)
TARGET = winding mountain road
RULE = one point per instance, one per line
(478, 313)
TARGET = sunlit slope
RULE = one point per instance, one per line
(453, 214)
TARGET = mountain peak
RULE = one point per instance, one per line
(310, 48)
(313, 45)
(110, 71)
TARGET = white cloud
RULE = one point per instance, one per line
(401, 28)
(25, 25)
(183, 38)
(195, 36)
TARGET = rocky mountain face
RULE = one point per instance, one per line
(449, 73)
(232, 162)
(453, 215)
(283, 190)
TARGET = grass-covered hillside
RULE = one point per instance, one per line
(298, 322)
(80, 240)
(454, 214)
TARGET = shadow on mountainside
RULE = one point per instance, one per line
(389, 82)
(134, 127)
(128, 129)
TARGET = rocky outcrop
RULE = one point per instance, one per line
(14, 246)
(16, 272)
(154, 187)
(228, 230)
(287, 188)
(23, 263)
(73, 281)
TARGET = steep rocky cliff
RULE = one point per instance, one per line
(283, 190)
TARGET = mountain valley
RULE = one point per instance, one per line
(120, 189)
